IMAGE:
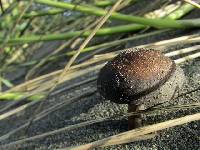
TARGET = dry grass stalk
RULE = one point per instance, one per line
(192, 2)
(183, 39)
(183, 51)
(134, 134)
(186, 58)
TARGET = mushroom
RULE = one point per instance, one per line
(140, 78)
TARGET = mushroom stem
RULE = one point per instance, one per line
(136, 120)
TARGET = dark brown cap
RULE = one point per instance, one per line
(133, 74)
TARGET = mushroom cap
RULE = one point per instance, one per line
(133, 74)
(164, 93)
